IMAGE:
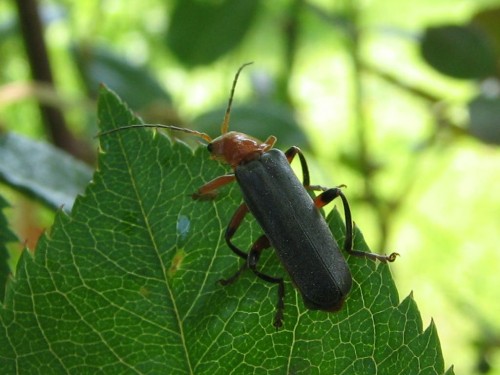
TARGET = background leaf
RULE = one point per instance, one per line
(6, 236)
(53, 176)
(459, 51)
(202, 31)
(134, 83)
(128, 283)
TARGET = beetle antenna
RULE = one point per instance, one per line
(225, 123)
(204, 136)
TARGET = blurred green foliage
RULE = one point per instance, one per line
(398, 100)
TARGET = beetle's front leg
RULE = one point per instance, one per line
(209, 190)
(252, 259)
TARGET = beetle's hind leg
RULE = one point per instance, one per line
(253, 258)
(233, 278)
(329, 195)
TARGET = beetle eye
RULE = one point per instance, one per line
(210, 147)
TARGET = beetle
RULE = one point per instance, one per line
(289, 217)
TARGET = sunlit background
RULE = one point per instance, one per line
(396, 99)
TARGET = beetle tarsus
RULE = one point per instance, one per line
(230, 280)
(373, 256)
(280, 306)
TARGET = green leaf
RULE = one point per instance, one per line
(202, 31)
(6, 236)
(459, 51)
(128, 284)
(52, 176)
(134, 83)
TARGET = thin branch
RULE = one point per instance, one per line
(36, 50)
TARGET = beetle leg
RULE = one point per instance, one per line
(270, 141)
(348, 244)
(209, 190)
(253, 258)
(329, 195)
(234, 224)
(290, 155)
(235, 277)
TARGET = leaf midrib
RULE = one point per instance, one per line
(157, 253)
